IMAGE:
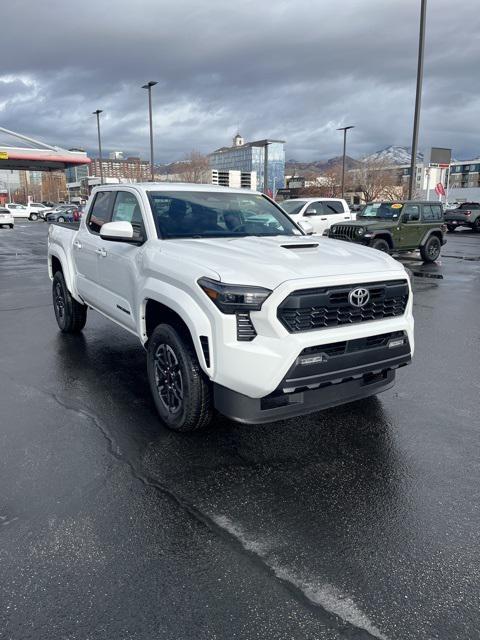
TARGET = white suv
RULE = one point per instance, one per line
(320, 212)
(31, 211)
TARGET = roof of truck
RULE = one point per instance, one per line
(173, 186)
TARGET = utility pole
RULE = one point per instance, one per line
(418, 98)
(149, 86)
(344, 129)
(97, 113)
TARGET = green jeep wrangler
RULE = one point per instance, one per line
(395, 227)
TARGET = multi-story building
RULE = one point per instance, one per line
(234, 179)
(250, 157)
(130, 168)
(116, 155)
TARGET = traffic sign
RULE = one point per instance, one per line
(439, 189)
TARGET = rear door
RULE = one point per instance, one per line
(118, 262)
(333, 212)
(87, 249)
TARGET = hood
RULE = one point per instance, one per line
(268, 262)
(370, 223)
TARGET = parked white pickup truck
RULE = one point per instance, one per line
(237, 308)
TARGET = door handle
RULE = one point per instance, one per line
(322, 218)
(77, 244)
(346, 218)
(101, 252)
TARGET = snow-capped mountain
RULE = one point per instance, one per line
(393, 155)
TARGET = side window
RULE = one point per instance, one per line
(332, 206)
(314, 209)
(100, 211)
(432, 212)
(411, 212)
(126, 208)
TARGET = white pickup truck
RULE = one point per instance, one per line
(237, 308)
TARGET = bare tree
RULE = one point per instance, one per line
(195, 168)
(375, 181)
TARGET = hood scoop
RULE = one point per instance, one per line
(306, 245)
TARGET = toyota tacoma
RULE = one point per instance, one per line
(237, 308)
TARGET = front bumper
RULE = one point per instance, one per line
(323, 377)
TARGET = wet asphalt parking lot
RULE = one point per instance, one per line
(359, 522)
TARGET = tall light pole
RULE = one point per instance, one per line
(418, 98)
(97, 113)
(149, 86)
(344, 129)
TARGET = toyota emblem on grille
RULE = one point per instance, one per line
(359, 297)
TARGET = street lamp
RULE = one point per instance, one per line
(344, 129)
(97, 113)
(149, 86)
(418, 97)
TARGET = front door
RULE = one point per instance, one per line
(87, 248)
(118, 262)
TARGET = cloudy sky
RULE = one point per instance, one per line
(295, 70)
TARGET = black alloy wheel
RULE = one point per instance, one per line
(71, 315)
(381, 245)
(168, 378)
(180, 389)
(431, 249)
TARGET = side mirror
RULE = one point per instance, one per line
(119, 231)
(310, 212)
(306, 226)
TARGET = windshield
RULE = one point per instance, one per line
(381, 210)
(204, 214)
(293, 206)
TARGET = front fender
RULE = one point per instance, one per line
(189, 311)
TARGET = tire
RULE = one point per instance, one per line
(71, 315)
(451, 228)
(431, 249)
(11, 226)
(180, 389)
(61, 219)
(33, 217)
(476, 225)
(381, 245)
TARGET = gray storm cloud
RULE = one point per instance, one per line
(295, 70)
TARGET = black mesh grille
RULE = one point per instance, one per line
(310, 309)
(343, 231)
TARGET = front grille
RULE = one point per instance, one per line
(343, 231)
(309, 309)
(245, 329)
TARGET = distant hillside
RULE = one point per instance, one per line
(318, 166)
(393, 155)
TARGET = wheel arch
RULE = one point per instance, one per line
(429, 234)
(154, 312)
(383, 235)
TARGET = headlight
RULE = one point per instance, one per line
(360, 231)
(230, 298)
